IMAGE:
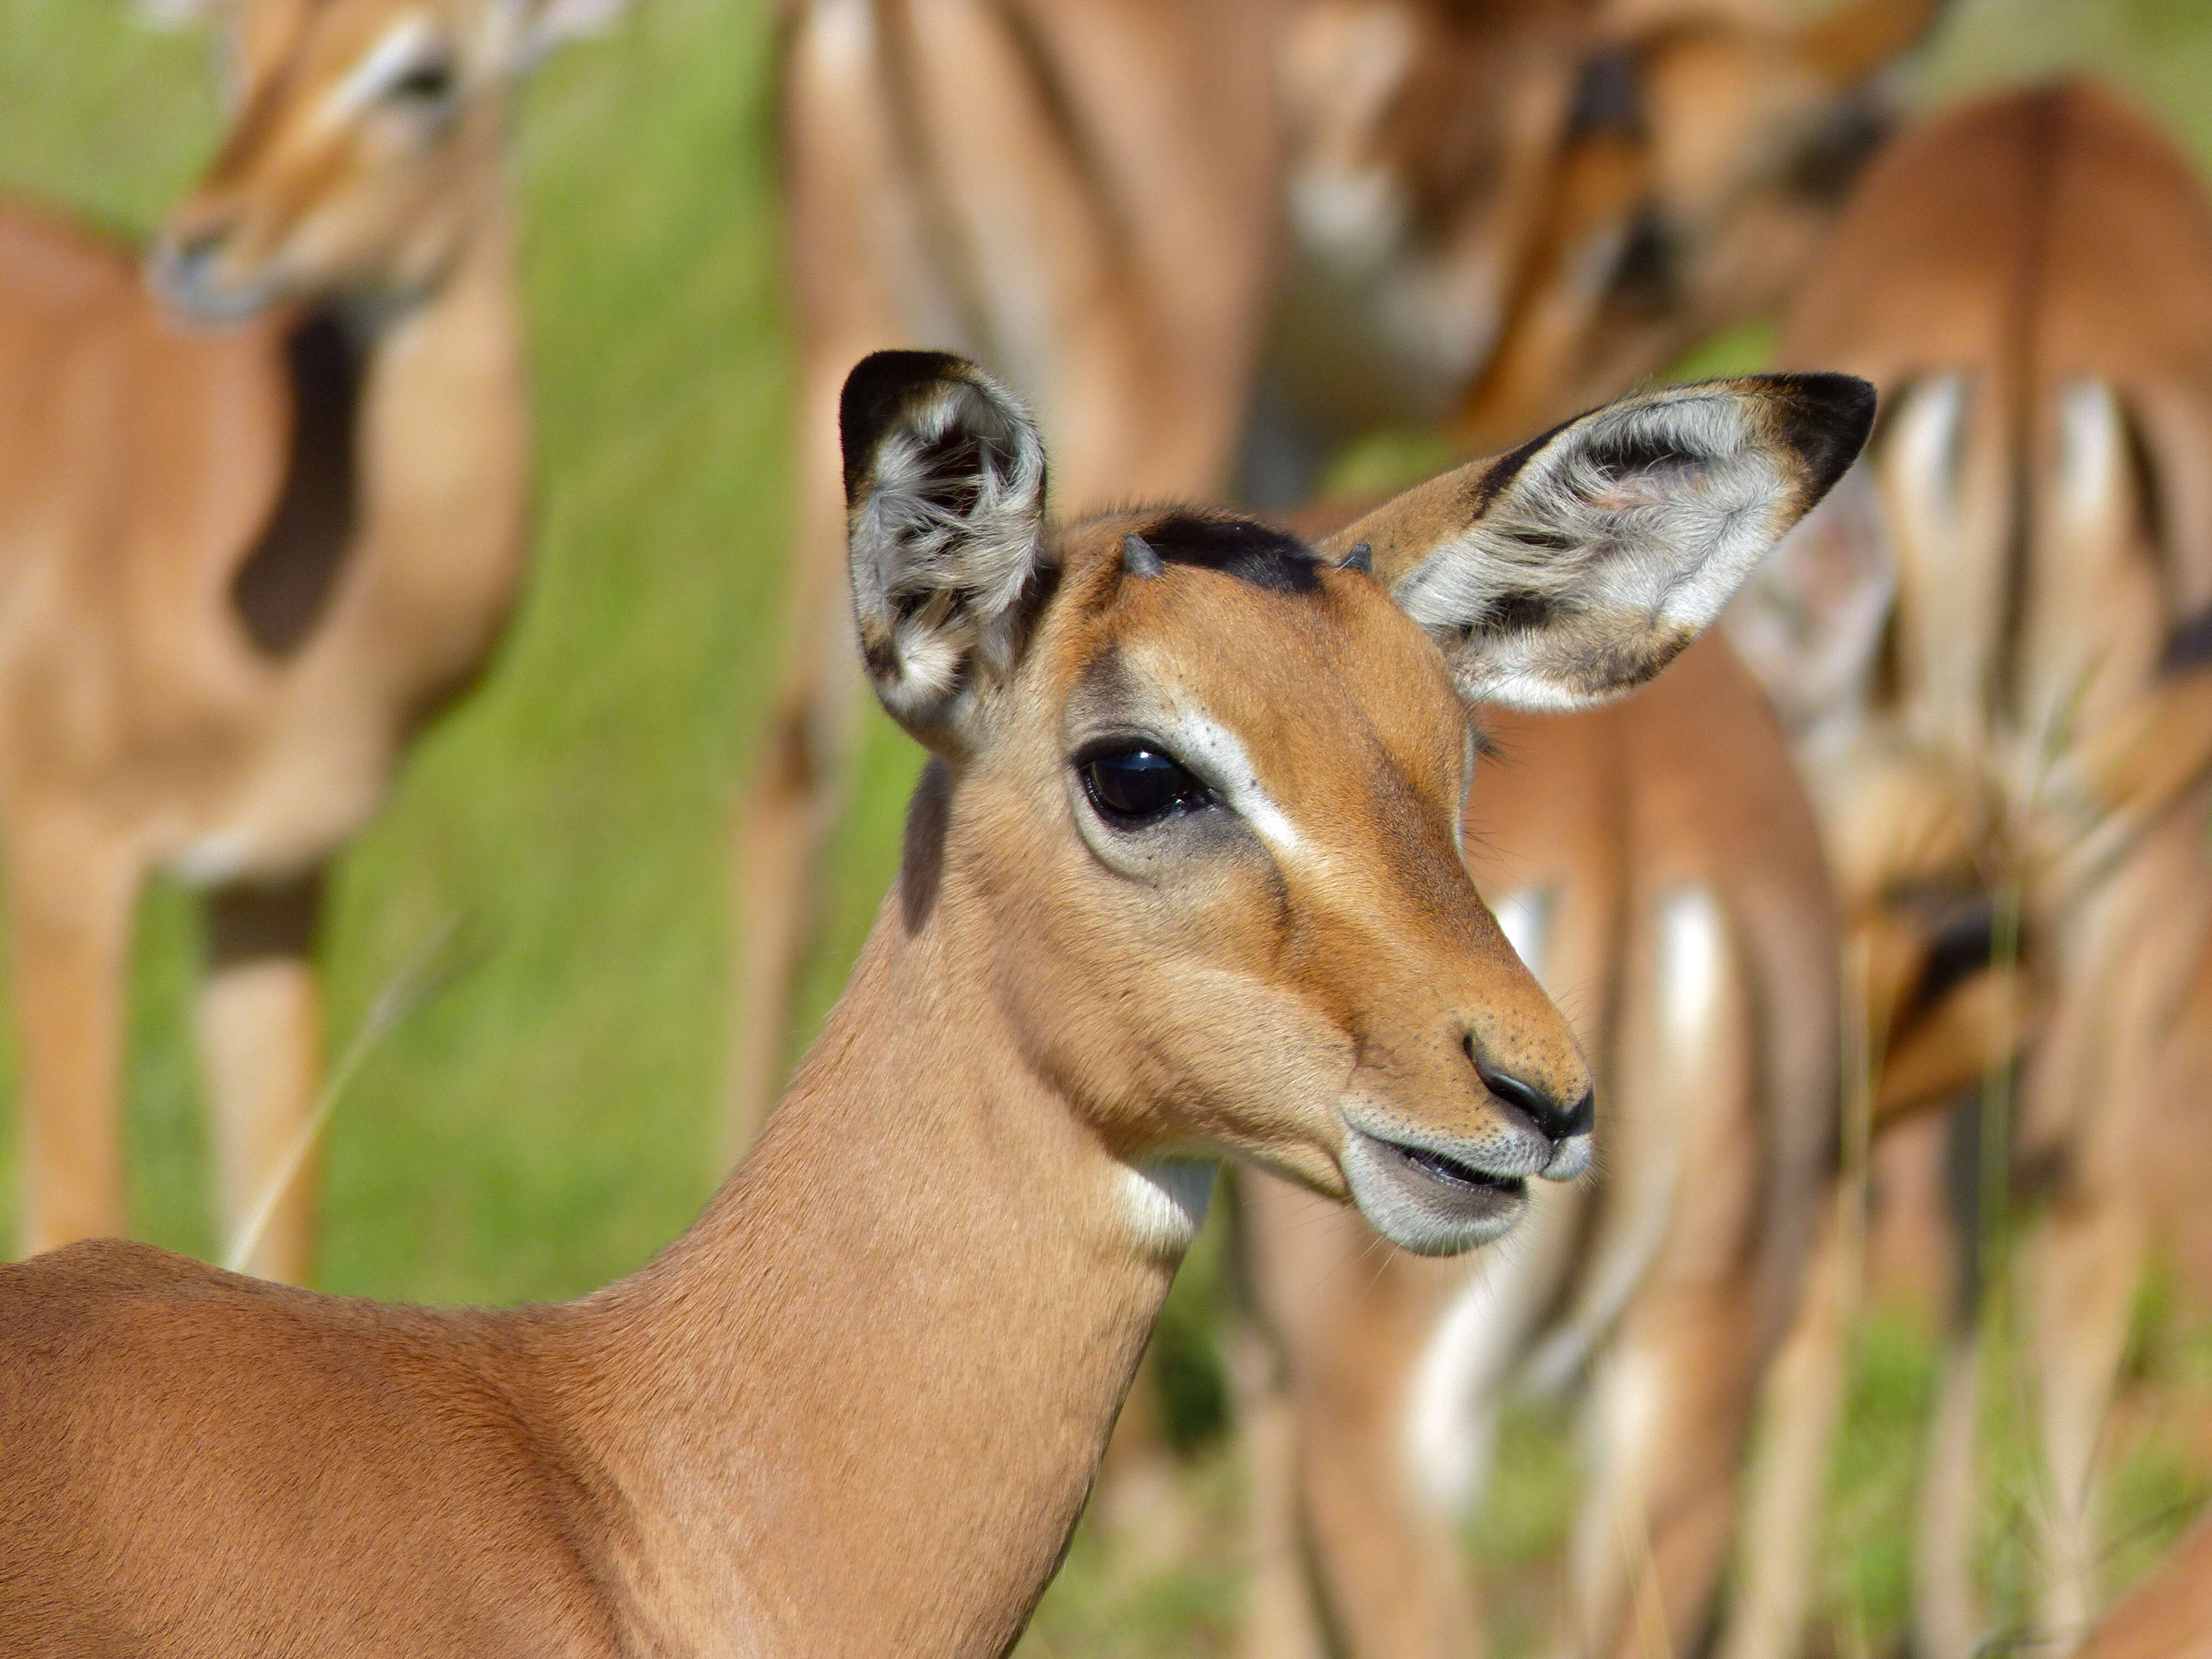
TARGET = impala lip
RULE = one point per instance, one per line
(1434, 1199)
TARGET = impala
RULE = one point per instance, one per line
(1971, 648)
(240, 566)
(1184, 877)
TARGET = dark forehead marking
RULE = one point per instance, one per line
(1255, 553)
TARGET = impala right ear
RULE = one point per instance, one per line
(945, 479)
(1575, 568)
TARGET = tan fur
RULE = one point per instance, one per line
(1101, 237)
(857, 1407)
(2169, 1615)
(2027, 279)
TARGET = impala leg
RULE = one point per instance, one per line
(1948, 1619)
(1803, 1397)
(1386, 1555)
(782, 824)
(1668, 1406)
(72, 898)
(260, 1023)
(1280, 1619)
(2088, 1260)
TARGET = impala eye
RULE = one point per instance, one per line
(427, 82)
(1133, 785)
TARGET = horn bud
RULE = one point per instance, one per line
(1140, 558)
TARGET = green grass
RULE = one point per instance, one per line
(547, 1119)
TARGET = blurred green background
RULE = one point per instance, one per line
(546, 1118)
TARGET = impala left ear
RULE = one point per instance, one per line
(1578, 566)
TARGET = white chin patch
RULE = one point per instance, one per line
(1167, 1201)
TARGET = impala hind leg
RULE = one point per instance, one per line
(1280, 1618)
(1670, 1403)
(1803, 1396)
(72, 898)
(1387, 1554)
(260, 1023)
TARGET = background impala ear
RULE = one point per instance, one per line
(536, 26)
(176, 14)
(945, 479)
(1809, 622)
(1578, 566)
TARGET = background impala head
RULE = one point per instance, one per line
(1260, 935)
(363, 146)
(1703, 146)
(1547, 200)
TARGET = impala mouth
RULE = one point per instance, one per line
(1445, 1167)
(1429, 1199)
(188, 280)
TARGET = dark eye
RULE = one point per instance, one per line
(430, 82)
(1134, 785)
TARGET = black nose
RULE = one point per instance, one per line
(1554, 1121)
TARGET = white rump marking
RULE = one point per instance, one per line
(1692, 948)
(1692, 954)
(2092, 455)
(213, 859)
(1524, 916)
(1453, 1396)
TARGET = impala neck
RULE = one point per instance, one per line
(445, 461)
(883, 1365)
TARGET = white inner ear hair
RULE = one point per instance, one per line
(1655, 506)
(945, 538)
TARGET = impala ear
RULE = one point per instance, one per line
(1861, 37)
(944, 512)
(1578, 566)
(178, 13)
(536, 26)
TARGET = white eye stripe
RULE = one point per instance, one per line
(402, 47)
(1213, 752)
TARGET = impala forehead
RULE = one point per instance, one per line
(1299, 709)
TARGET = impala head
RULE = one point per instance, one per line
(1704, 146)
(1195, 817)
(363, 146)
(1549, 199)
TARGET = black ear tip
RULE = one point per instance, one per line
(1826, 418)
(878, 389)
